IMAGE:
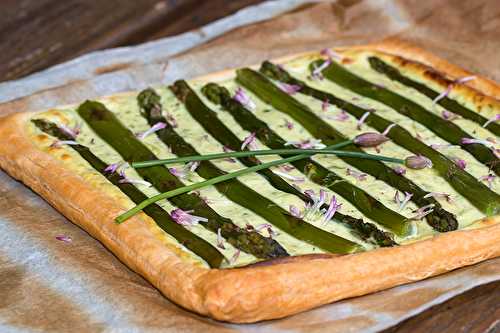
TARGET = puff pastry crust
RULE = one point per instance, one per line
(266, 290)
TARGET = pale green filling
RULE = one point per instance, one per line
(126, 108)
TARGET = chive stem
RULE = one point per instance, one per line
(128, 214)
(144, 164)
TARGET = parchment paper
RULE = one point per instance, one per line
(51, 285)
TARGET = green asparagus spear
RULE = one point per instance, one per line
(440, 219)
(237, 191)
(191, 241)
(476, 192)
(449, 104)
(105, 124)
(441, 127)
(367, 204)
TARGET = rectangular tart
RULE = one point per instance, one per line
(282, 240)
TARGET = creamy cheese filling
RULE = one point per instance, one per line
(125, 106)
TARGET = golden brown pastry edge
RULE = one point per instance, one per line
(257, 292)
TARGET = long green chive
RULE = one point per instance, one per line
(131, 212)
(309, 152)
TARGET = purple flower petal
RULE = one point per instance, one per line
(423, 212)
(185, 218)
(400, 170)
(492, 120)
(356, 174)
(332, 209)
(71, 131)
(447, 115)
(418, 162)
(489, 178)
(387, 129)
(402, 202)
(361, 120)
(439, 195)
(249, 141)
(306, 144)
(290, 89)
(462, 164)
(294, 211)
(64, 238)
(288, 124)
(317, 71)
(245, 100)
(155, 128)
(59, 143)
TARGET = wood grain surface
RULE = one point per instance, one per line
(36, 34)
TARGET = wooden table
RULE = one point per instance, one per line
(34, 35)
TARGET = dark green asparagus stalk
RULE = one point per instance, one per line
(319, 174)
(439, 219)
(445, 129)
(238, 192)
(105, 124)
(451, 105)
(191, 241)
(464, 183)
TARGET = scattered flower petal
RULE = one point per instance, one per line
(423, 212)
(400, 170)
(468, 141)
(489, 178)
(465, 79)
(71, 131)
(447, 115)
(59, 143)
(441, 146)
(306, 144)
(492, 120)
(64, 238)
(317, 71)
(286, 167)
(185, 218)
(332, 209)
(290, 89)
(288, 124)
(418, 162)
(361, 120)
(250, 142)
(155, 128)
(192, 166)
(220, 240)
(294, 211)
(387, 129)
(242, 97)
(126, 180)
(462, 164)
(439, 195)
(402, 202)
(331, 54)
(180, 173)
(450, 87)
(356, 174)
(290, 177)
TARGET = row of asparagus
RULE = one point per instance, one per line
(105, 124)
